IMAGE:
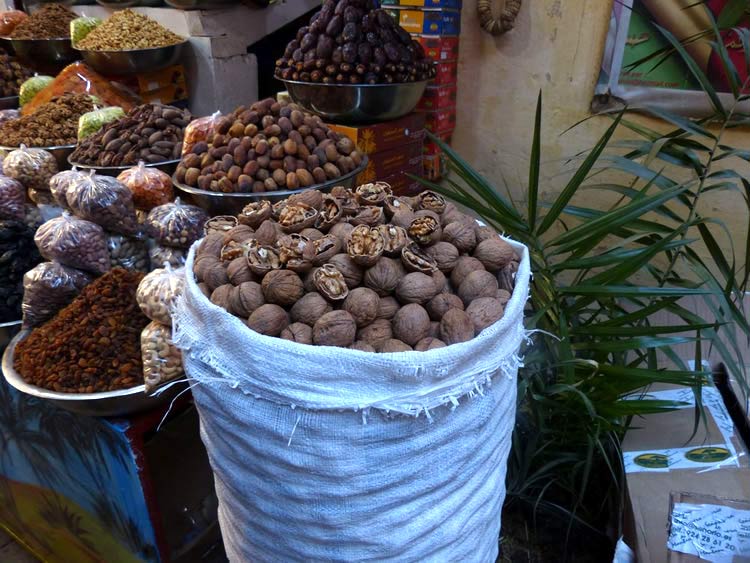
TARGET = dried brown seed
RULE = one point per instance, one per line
(411, 323)
(268, 319)
(309, 308)
(478, 283)
(494, 253)
(336, 328)
(362, 303)
(485, 311)
(210, 245)
(456, 326)
(384, 276)
(330, 282)
(298, 332)
(441, 303)
(240, 233)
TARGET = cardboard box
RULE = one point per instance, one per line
(391, 162)
(439, 48)
(431, 148)
(379, 137)
(403, 185)
(438, 97)
(433, 167)
(166, 86)
(446, 73)
(450, 4)
(441, 120)
(429, 22)
(661, 460)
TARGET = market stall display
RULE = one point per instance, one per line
(91, 122)
(48, 288)
(17, 256)
(104, 200)
(32, 167)
(42, 40)
(12, 75)
(150, 186)
(74, 242)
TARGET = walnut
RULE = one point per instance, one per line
(393, 345)
(238, 271)
(211, 245)
(441, 282)
(362, 346)
(245, 298)
(262, 260)
(506, 277)
(444, 254)
(394, 204)
(313, 198)
(311, 233)
(268, 319)
(220, 224)
(309, 309)
(372, 194)
(277, 208)
(204, 290)
(461, 235)
(403, 218)
(202, 264)
(464, 266)
(240, 233)
(296, 252)
(349, 269)
(384, 276)
(325, 248)
(441, 303)
(452, 214)
(431, 201)
(368, 215)
(387, 307)
(295, 217)
(233, 249)
(346, 199)
(342, 232)
(456, 326)
(330, 282)
(362, 303)
(266, 234)
(336, 328)
(434, 331)
(483, 232)
(220, 296)
(416, 287)
(330, 213)
(282, 287)
(365, 245)
(479, 283)
(494, 253)
(394, 239)
(429, 343)
(376, 333)
(253, 214)
(425, 229)
(415, 259)
(503, 296)
(411, 323)
(298, 332)
(215, 276)
(484, 311)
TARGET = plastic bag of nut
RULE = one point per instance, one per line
(32, 167)
(12, 199)
(162, 360)
(74, 242)
(160, 255)
(198, 130)
(159, 291)
(130, 253)
(150, 186)
(176, 224)
(48, 288)
(103, 200)
(60, 182)
(8, 115)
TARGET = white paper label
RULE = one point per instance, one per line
(719, 534)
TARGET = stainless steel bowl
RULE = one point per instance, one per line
(108, 403)
(356, 103)
(218, 203)
(60, 153)
(8, 331)
(200, 4)
(9, 102)
(134, 61)
(167, 166)
(45, 54)
(118, 5)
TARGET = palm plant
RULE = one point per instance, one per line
(600, 276)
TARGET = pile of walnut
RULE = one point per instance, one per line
(362, 269)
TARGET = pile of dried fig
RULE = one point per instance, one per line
(362, 269)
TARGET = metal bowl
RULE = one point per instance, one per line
(108, 403)
(200, 4)
(8, 331)
(356, 103)
(45, 54)
(118, 5)
(60, 153)
(167, 166)
(7, 46)
(9, 102)
(218, 203)
(135, 61)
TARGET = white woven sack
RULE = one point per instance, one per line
(330, 454)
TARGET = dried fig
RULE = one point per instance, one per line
(298, 332)
(365, 245)
(416, 287)
(484, 311)
(309, 309)
(330, 282)
(282, 287)
(456, 326)
(411, 323)
(336, 328)
(478, 283)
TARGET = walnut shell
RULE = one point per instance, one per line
(311, 234)
(330, 213)
(464, 266)
(506, 277)
(282, 287)
(452, 214)
(479, 283)
(394, 204)
(403, 218)
(240, 233)
(441, 282)
(262, 260)
(387, 307)
(221, 296)
(238, 271)
(204, 290)
(362, 303)
(336, 328)
(425, 229)
(220, 224)
(394, 345)
(233, 249)
(483, 232)
(372, 193)
(365, 245)
(342, 232)
(429, 343)
(210, 245)
(441, 303)
(245, 298)
(298, 332)
(330, 282)
(376, 333)
(434, 331)
(461, 235)
(295, 217)
(416, 287)
(313, 198)
(485, 311)
(325, 247)
(494, 253)
(296, 252)
(215, 276)
(349, 269)
(309, 308)
(456, 326)
(362, 347)
(415, 259)
(444, 254)
(384, 276)
(431, 201)
(394, 239)
(255, 213)
(411, 324)
(266, 234)
(503, 296)
(268, 319)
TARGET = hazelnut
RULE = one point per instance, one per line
(415, 259)
(464, 266)
(336, 328)
(238, 271)
(415, 287)
(484, 311)
(330, 282)
(309, 308)
(456, 326)
(444, 254)
(362, 303)
(425, 229)
(268, 319)
(384, 276)
(298, 332)
(411, 323)
(393, 345)
(429, 343)
(349, 269)
(493, 253)
(479, 283)
(394, 239)
(376, 333)
(282, 287)
(245, 298)
(441, 303)
(387, 307)
(220, 296)
(461, 235)
(362, 347)
(365, 245)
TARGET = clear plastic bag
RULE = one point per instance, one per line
(150, 186)
(158, 293)
(48, 288)
(175, 257)
(198, 130)
(105, 201)
(31, 87)
(92, 121)
(74, 242)
(12, 199)
(40, 197)
(128, 252)
(32, 167)
(60, 182)
(176, 224)
(9, 20)
(9, 115)
(162, 360)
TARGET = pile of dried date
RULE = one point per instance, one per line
(362, 269)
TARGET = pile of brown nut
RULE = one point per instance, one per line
(269, 146)
(12, 75)
(362, 269)
(126, 30)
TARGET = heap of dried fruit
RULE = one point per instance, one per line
(126, 30)
(362, 269)
(349, 42)
(12, 75)
(51, 21)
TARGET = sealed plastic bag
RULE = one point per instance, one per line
(9, 19)
(104, 200)
(175, 257)
(12, 199)
(128, 252)
(60, 182)
(162, 361)
(198, 130)
(92, 121)
(32, 87)
(32, 167)
(158, 293)
(176, 224)
(80, 27)
(48, 288)
(150, 186)
(74, 242)
(40, 197)
(9, 115)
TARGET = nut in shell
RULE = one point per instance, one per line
(365, 245)
(411, 324)
(362, 347)
(263, 259)
(309, 308)
(233, 249)
(298, 332)
(464, 266)
(313, 198)
(485, 311)
(211, 245)
(442, 303)
(494, 253)
(384, 276)
(362, 304)
(282, 287)
(330, 212)
(268, 319)
(220, 224)
(294, 218)
(444, 254)
(240, 233)
(431, 201)
(394, 239)
(415, 287)
(221, 296)
(253, 214)
(506, 277)
(373, 193)
(479, 283)
(394, 345)
(456, 326)
(325, 248)
(245, 298)
(429, 343)
(403, 218)
(336, 328)
(425, 229)
(368, 215)
(349, 269)
(330, 283)
(238, 271)
(376, 333)
(461, 235)
(415, 259)
(296, 252)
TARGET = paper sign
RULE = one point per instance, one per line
(719, 534)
